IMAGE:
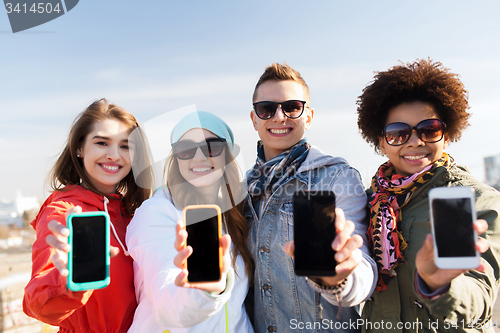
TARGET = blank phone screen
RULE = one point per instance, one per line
(453, 227)
(314, 232)
(89, 249)
(203, 236)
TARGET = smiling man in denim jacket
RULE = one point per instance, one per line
(286, 162)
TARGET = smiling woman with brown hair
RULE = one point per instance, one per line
(93, 173)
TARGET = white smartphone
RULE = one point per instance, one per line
(452, 214)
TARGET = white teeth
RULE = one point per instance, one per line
(201, 169)
(109, 167)
(414, 158)
(279, 131)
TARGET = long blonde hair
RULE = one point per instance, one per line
(183, 193)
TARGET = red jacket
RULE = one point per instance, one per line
(46, 298)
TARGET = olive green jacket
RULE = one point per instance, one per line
(468, 304)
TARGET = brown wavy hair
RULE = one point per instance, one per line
(69, 169)
(234, 221)
(419, 81)
(279, 72)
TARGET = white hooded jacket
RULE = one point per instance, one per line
(164, 307)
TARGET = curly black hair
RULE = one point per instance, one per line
(421, 81)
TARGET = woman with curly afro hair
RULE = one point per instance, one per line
(410, 113)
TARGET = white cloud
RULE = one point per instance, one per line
(57, 104)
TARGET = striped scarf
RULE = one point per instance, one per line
(266, 177)
(391, 192)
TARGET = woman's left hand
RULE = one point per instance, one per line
(436, 277)
(185, 251)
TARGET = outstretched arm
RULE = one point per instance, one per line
(151, 240)
(46, 296)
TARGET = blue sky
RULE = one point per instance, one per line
(153, 57)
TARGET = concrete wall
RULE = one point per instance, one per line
(15, 272)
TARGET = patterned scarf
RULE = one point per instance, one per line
(391, 192)
(266, 177)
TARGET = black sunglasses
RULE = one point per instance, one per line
(266, 110)
(186, 149)
(429, 130)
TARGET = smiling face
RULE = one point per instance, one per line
(280, 132)
(416, 154)
(106, 154)
(201, 171)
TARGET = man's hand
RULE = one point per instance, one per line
(346, 245)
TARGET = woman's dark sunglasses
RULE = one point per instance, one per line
(266, 110)
(429, 130)
(186, 149)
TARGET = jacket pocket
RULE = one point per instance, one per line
(286, 222)
(423, 321)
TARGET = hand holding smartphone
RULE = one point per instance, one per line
(452, 214)
(203, 226)
(89, 258)
(314, 232)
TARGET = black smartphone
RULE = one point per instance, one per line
(203, 226)
(88, 259)
(452, 216)
(314, 232)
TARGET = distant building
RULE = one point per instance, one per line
(11, 212)
(9, 215)
(492, 170)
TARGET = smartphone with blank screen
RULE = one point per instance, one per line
(314, 232)
(203, 226)
(88, 259)
(452, 215)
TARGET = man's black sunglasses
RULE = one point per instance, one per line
(293, 109)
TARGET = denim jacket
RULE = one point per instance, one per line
(285, 302)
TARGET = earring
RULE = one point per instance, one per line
(78, 155)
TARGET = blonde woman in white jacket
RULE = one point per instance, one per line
(201, 170)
